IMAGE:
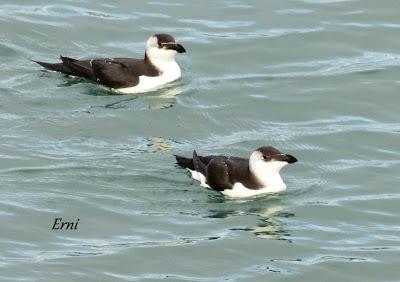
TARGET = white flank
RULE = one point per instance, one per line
(199, 177)
(150, 83)
(240, 191)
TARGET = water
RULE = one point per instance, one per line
(318, 79)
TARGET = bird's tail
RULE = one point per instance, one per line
(54, 67)
(69, 66)
(184, 162)
(64, 67)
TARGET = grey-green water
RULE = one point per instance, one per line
(315, 78)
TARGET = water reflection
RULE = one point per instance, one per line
(159, 100)
(163, 98)
(120, 104)
(159, 144)
(269, 226)
(269, 216)
(68, 80)
(153, 144)
(166, 100)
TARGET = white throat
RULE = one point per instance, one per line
(165, 63)
(162, 59)
(267, 173)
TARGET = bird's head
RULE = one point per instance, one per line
(162, 47)
(268, 160)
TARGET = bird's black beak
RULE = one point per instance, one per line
(174, 46)
(290, 159)
(285, 158)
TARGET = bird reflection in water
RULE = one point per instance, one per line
(163, 99)
(270, 225)
(166, 100)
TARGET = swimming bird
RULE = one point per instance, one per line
(126, 75)
(240, 177)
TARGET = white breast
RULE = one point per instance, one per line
(240, 191)
(169, 73)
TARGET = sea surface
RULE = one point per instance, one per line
(318, 79)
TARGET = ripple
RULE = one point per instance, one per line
(269, 33)
(38, 169)
(219, 24)
(18, 243)
(368, 61)
(325, 258)
(354, 24)
(283, 132)
(355, 12)
(342, 165)
(366, 249)
(56, 11)
(236, 4)
(338, 201)
(165, 3)
(160, 276)
(85, 247)
(10, 117)
(152, 15)
(324, 1)
(28, 201)
(391, 25)
(285, 12)
(7, 51)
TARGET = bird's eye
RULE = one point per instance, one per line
(265, 158)
(159, 44)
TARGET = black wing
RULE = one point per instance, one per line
(217, 175)
(198, 164)
(115, 73)
(240, 172)
(188, 162)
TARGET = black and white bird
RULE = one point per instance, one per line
(239, 177)
(126, 75)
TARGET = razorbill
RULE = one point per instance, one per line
(239, 177)
(126, 75)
